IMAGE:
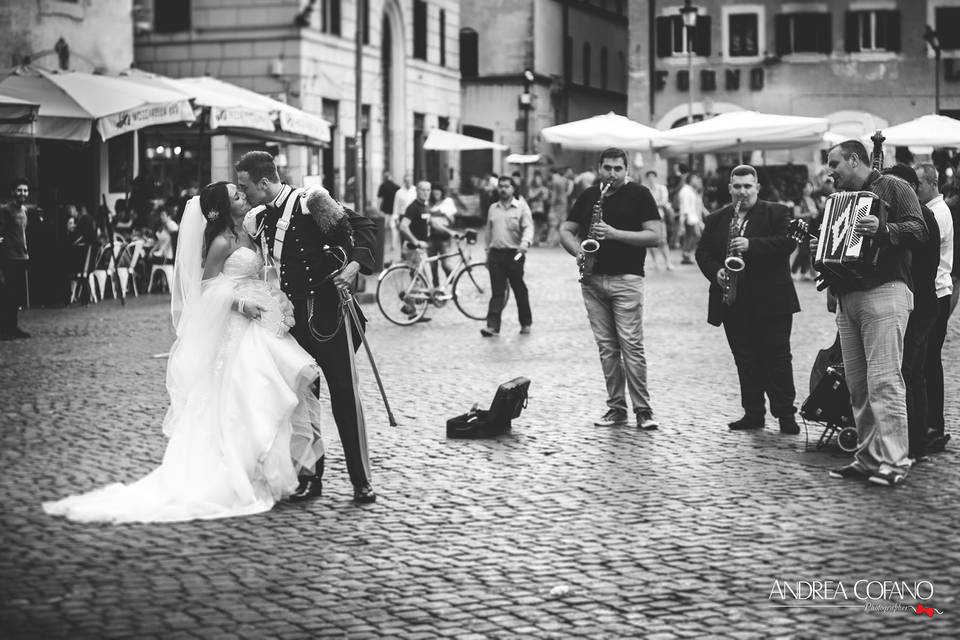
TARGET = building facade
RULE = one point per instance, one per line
(76, 35)
(577, 53)
(863, 64)
(303, 52)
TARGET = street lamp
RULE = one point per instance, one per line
(934, 41)
(689, 15)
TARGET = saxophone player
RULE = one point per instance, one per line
(624, 224)
(755, 305)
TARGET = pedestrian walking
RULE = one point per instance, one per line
(509, 234)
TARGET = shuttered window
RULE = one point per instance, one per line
(803, 33)
(672, 36)
(872, 31)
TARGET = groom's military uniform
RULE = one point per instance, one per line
(306, 271)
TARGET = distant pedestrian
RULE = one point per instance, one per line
(14, 259)
(385, 197)
(613, 293)
(509, 234)
(667, 217)
(690, 200)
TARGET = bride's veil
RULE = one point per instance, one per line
(188, 265)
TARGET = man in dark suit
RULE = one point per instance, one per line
(759, 318)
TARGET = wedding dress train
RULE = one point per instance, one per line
(241, 416)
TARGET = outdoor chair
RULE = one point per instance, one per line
(107, 261)
(83, 288)
(166, 270)
(127, 264)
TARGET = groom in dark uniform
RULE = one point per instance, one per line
(312, 277)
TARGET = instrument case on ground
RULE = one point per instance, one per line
(509, 401)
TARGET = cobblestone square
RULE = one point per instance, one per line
(559, 529)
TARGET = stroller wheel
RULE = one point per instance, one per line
(848, 439)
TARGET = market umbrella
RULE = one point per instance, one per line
(929, 131)
(440, 140)
(16, 110)
(71, 103)
(601, 132)
(742, 131)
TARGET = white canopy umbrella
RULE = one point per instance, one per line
(71, 102)
(742, 131)
(925, 131)
(440, 140)
(520, 158)
(600, 132)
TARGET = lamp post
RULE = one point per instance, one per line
(933, 39)
(526, 104)
(689, 14)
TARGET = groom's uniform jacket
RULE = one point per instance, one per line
(304, 265)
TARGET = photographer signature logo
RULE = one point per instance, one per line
(928, 611)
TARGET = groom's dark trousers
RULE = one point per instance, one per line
(327, 343)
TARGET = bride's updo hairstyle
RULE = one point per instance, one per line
(215, 206)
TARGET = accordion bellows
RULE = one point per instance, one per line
(842, 252)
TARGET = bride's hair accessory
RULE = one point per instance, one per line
(212, 215)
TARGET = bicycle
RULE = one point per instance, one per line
(404, 293)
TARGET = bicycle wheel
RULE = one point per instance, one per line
(471, 291)
(402, 294)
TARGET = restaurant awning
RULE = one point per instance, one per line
(600, 132)
(742, 131)
(71, 102)
(440, 140)
(234, 107)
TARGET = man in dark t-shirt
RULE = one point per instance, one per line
(613, 289)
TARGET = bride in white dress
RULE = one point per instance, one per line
(242, 418)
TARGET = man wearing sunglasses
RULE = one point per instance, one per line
(613, 292)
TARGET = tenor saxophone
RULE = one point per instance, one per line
(733, 264)
(587, 259)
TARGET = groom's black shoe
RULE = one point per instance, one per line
(310, 487)
(364, 494)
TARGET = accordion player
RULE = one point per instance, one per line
(842, 252)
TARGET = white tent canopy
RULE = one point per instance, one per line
(600, 132)
(742, 131)
(440, 140)
(520, 158)
(929, 131)
(71, 101)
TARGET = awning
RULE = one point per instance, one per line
(440, 140)
(71, 101)
(742, 131)
(601, 132)
(925, 131)
(14, 110)
(234, 107)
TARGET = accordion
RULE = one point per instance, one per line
(843, 253)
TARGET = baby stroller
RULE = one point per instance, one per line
(829, 400)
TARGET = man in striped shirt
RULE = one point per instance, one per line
(872, 315)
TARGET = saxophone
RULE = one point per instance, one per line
(587, 259)
(733, 264)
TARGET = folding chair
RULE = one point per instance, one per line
(83, 288)
(127, 264)
(166, 270)
(107, 261)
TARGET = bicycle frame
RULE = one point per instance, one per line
(425, 261)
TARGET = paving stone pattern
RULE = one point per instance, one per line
(560, 529)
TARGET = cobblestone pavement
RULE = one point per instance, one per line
(558, 530)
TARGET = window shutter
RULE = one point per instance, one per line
(892, 27)
(825, 32)
(701, 36)
(664, 37)
(851, 32)
(781, 30)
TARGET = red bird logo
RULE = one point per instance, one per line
(929, 611)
